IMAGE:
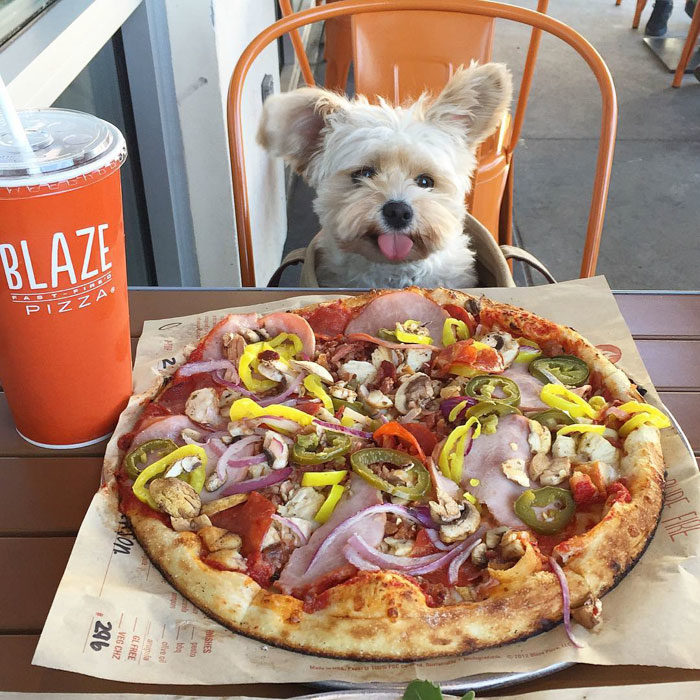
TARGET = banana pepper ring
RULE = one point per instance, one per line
(453, 330)
(323, 478)
(247, 408)
(314, 386)
(447, 460)
(328, 506)
(558, 396)
(195, 478)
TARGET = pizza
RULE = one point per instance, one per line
(394, 476)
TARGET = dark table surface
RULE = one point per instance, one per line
(37, 529)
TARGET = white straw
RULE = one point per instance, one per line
(9, 114)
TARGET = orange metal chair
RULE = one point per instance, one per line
(479, 8)
(386, 64)
(690, 40)
(337, 50)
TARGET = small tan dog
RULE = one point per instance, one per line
(390, 182)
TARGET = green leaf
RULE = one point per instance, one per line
(469, 696)
(422, 690)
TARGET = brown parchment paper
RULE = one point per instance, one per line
(115, 617)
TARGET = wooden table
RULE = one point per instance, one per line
(44, 495)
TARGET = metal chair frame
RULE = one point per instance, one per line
(537, 20)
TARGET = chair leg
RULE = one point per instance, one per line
(618, 2)
(505, 219)
(688, 47)
(641, 4)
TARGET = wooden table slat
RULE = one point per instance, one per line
(31, 571)
(672, 364)
(685, 407)
(661, 315)
(61, 490)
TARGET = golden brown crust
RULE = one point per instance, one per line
(385, 616)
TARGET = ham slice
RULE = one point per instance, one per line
(484, 461)
(212, 348)
(284, 322)
(396, 307)
(294, 578)
(529, 386)
(169, 428)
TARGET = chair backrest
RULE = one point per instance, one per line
(477, 8)
(399, 55)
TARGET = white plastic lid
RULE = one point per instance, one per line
(65, 143)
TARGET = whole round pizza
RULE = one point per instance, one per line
(397, 475)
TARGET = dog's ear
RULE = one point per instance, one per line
(291, 124)
(475, 98)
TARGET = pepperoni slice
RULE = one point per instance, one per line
(330, 320)
(461, 314)
(250, 520)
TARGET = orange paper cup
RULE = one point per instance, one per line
(65, 355)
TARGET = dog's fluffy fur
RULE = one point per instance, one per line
(328, 139)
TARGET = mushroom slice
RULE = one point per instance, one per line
(462, 528)
(504, 344)
(314, 368)
(277, 448)
(175, 497)
(414, 392)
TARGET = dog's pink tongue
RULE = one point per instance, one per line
(395, 246)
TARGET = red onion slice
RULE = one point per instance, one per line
(262, 482)
(296, 530)
(414, 566)
(456, 563)
(389, 561)
(218, 377)
(207, 366)
(247, 461)
(566, 601)
(422, 514)
(447, 405)
(278, 398)
(436, 541)
(278, 423)
(451, 554)
(355, 558)
(342, 429)
(348, 524)
(234, 450)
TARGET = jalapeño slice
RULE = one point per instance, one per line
(567, 369)
(547, 510)
(153, 450)
(307, 449)
(553, 418)
(484, 387)
(418, 478)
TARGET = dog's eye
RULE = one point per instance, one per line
(424, 181)
(366, 171)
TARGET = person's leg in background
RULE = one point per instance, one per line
(656, 26)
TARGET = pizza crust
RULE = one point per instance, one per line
(384, 616)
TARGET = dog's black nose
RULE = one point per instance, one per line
(397, 214)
